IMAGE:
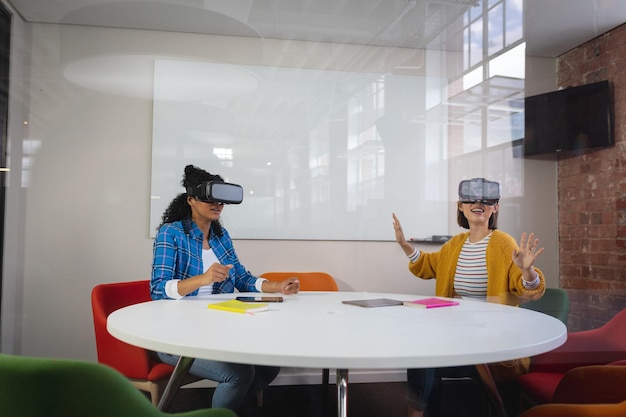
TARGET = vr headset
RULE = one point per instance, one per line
(217, 192)
(479, 190)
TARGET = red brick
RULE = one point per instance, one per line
(592, 193)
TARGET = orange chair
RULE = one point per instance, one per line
(139, 365)
(593, 391)
(577, 410)
(593, 384)
(309, 281)
(600, 346)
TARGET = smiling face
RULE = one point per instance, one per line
(204, 212)
(477, 213)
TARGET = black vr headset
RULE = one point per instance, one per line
(217, 192)
(479, 190)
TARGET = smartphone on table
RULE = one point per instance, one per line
(260, 299)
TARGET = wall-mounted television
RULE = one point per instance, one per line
(571, 119)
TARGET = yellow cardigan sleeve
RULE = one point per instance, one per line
(440, 265)
(504, 284)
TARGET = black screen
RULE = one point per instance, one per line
(571, 119)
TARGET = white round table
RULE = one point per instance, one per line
(314, 329)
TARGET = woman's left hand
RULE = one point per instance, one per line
(288, 286)
(525, 256)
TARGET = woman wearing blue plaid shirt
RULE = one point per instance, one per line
(194, 255)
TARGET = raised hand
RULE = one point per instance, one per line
(400, 238)
(527, 253)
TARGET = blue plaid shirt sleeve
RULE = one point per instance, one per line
(176, 255)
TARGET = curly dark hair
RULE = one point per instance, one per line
(178, 208)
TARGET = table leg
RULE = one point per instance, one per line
(179, 374)
(342, 393)
(492, 389)
(325, 377)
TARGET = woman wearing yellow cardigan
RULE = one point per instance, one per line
(481, 264)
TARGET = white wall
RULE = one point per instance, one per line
(78, 209)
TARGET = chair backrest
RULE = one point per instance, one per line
(132, 361)
(554, 302)
(309, 281)
(592, 384)
(598, 346)
(36, 387)
(576, 410)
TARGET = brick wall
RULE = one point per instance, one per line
(592, 193)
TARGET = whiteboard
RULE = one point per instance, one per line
(321, 154)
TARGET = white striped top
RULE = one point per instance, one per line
(470, 279)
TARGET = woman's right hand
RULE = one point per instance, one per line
(400, 238)
(397, 227)
(217, 273)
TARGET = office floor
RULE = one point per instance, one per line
(364, 400)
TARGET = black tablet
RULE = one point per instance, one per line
(374, 302)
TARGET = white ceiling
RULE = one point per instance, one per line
(551, 26)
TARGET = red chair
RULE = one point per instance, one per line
(600, 346)
(139, 365)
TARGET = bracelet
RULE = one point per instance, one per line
(532, 284)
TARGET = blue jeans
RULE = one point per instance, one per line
(237, 382)
(423, 383)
